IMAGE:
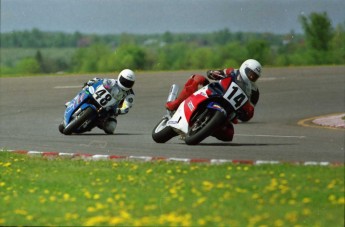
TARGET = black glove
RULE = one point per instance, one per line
(215, 74)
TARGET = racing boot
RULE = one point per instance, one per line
(225, 133)
(189, 88)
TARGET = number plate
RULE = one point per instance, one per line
(103, 97)
(235, 96)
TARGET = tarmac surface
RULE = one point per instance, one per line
(288, 124)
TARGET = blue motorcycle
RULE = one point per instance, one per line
(88, 109)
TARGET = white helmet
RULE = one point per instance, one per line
(126, 79)
(250, 70)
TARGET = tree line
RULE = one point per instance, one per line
(320, 44)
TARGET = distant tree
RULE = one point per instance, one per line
(338, 44)
(259, 50)
(202, 58)
(87, 59)
(127, 56)
(318, 30)
(28, 66)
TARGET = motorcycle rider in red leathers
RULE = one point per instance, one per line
(249, 71)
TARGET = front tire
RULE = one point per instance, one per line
(78, 121)
(204, 126)
(161, 133)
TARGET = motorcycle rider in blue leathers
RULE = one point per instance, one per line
(121, 90)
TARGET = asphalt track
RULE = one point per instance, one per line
(32, 107)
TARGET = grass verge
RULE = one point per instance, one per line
(41, 192)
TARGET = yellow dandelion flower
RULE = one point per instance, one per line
(115, 221)
(331, 184)
(96, 220)
(291, 216)
(341, 201)
(21, 212)
(148, 171)
(42, 199)
(7, 164)
(278, 222)
(66, 196)
(306, 211)
(2, 221)
(2, 184)
(331, 198)
(124, 214)
(253, 220)
(87, 194)
(201, 221)
(99, 206)
(110, 200)
(96, 196)
(255, 196)
(91, 209)
(292, 202)
(207, 186)
(150, 207)
(200, 201)
(306, 200)
(29, 217)
(52, 198)
(32, 190)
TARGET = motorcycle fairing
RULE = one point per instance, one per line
(181, 118)
(79, 102)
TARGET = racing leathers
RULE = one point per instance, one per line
(245, 113)
(124, 101)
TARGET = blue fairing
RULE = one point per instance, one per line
(216, 106)
(80, 102)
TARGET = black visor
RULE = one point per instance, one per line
(252, 76)
(126, 83)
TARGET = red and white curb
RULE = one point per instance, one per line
(98, 157)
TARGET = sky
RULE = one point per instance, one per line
(159, 16)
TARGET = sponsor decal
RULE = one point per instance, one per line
(190, 105)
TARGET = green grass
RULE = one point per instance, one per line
(39, 191)
(10, 56)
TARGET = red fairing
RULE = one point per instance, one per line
(191, 104)
(228, 71)
(225, 83)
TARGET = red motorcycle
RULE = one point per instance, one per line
(203, 112)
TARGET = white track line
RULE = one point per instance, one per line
(273, 136)
(67, 87)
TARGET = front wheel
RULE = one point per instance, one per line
(204, 125)
(161, 133)
(78, 121)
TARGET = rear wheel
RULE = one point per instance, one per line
(204, 125)
(161, 133)
(78, 121)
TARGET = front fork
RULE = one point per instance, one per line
(172, 96)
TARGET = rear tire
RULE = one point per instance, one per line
(210, 121)
(161, 133)
(78, 121)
